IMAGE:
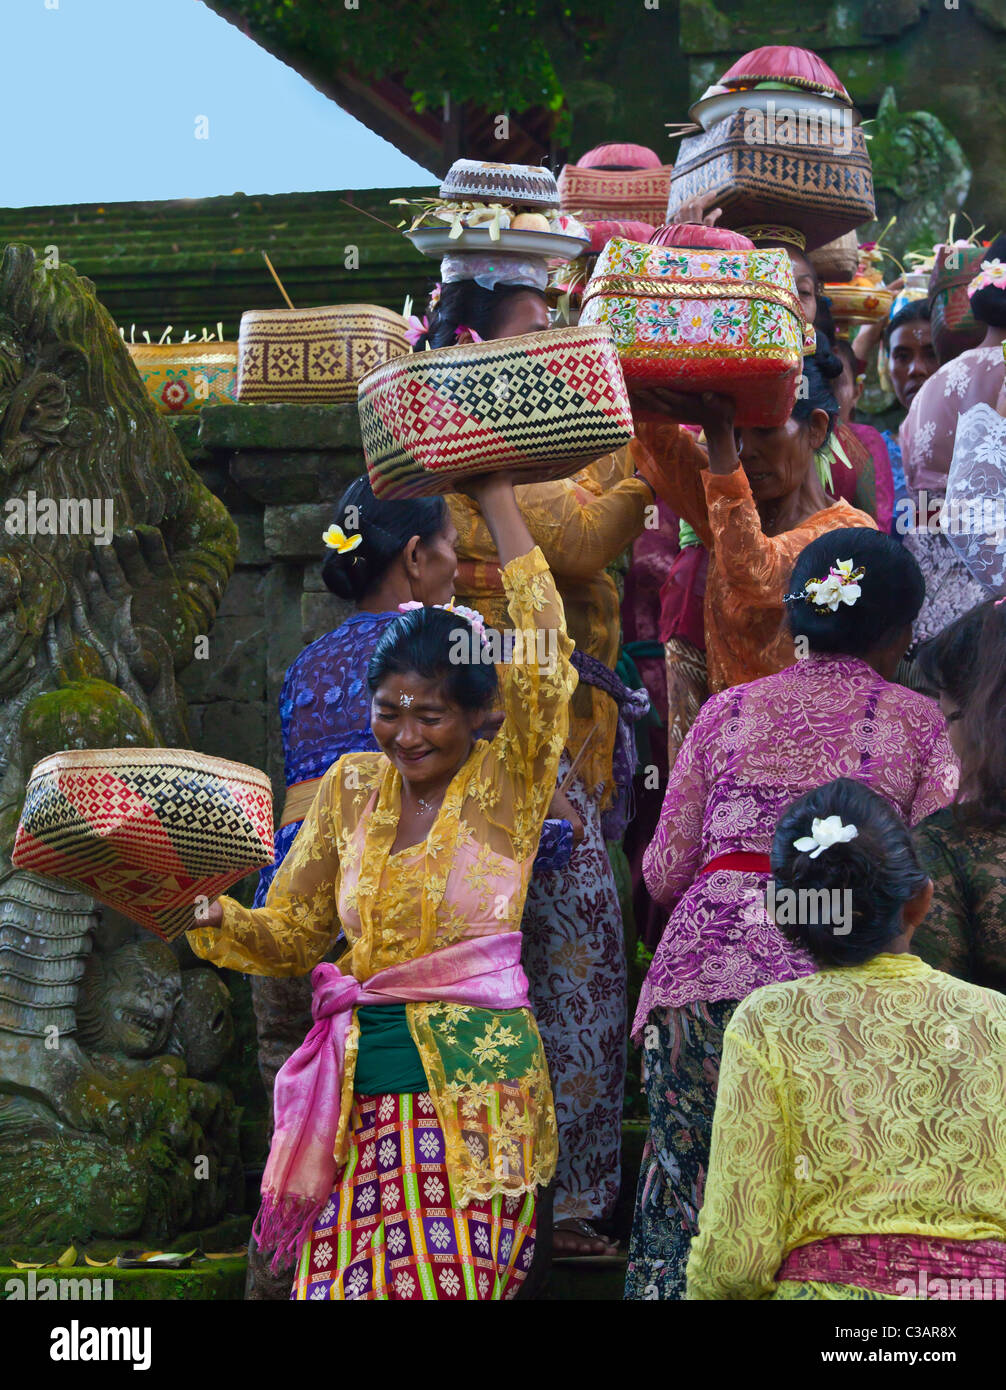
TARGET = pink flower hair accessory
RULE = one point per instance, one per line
(991, 273)
(418, 328)
(469, 614)
(464, 334)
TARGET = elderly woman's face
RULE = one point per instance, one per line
(777, 461)
(521, 313)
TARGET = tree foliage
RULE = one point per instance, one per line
(502, 55)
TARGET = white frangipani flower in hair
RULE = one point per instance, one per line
(823, 834)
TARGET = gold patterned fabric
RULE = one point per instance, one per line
(867, 1100)
(581, 525)
(486, 1070)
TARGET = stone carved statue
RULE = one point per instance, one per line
(919, 174)
(113, 560)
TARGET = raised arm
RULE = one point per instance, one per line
(669, 457)
(539, 679)
(298, 924)
(674, 855)
(580, 531)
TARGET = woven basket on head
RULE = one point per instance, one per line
(543, 405)
(314, 355)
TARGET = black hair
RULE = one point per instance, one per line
(843, 350)
(824, 321)
(967, 663)
(988, 305)
(878, 870)
(815, 392)
(892, 592)
(438, 645)
(947, 661)
(915, 311)
(386, 528)
(464, 302)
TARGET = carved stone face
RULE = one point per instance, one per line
(129, 999)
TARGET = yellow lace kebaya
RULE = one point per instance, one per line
(582, 524)
(486, 1070)
(863, 1101)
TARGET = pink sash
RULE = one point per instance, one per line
(484, 973)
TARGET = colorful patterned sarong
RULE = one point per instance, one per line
(390, 1229)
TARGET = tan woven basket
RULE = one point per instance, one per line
(837, 261)
(623, 194)
(148, 831)
(314, 355)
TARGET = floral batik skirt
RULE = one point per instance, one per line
(682, 1048)
(574, 958)
(391, 1229)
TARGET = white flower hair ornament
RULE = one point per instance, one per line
(823, 834)
(840, 586)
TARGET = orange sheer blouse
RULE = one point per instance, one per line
(746, 632)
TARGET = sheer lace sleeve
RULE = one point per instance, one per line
(299, 922)
(523, 759)
(579, 533)
(673, 461)
(674, 854)
(743, 1222)
(757, 566)
(942, 939)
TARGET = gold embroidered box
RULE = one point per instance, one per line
(315, 355)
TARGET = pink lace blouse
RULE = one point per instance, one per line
(752, 751)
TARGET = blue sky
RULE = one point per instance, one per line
(102, 99)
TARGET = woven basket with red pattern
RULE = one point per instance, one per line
(147, 831)
(953, 326)
(543, 405)
(621, 194)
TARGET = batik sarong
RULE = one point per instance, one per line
(574, 958)
(681, 1062)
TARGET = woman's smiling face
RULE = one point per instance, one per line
(420, 730)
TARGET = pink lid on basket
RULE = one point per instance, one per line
(602, 231)
(620, 156)
(700, 238)
(785, 63)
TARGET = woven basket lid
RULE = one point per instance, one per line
(602, 231)
(474, 180)
(619, 156)
(700, 238)
(785, 63)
